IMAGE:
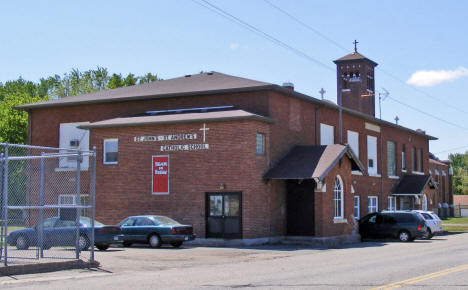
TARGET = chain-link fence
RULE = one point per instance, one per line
(47, 204)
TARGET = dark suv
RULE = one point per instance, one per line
(406, 226)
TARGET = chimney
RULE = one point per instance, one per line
(289, 86)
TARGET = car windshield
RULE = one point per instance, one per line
(87, 222)
(164, 220)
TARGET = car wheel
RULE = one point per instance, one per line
(154, 241)
(22, 243)
(176, 244)
(83, 243)
(429, 234)
(404, 236)
(102, 247)
(126, 244)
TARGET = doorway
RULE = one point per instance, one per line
(224, 215)
(300, 204)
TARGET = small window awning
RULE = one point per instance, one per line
(312, 162)
(413, 185)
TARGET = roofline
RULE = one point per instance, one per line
(338, 61)
(349, 154)
(46, 104)
(272, 87)
(150, 123)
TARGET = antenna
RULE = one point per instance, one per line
(385, 95)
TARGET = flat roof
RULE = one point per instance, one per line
(219, 116)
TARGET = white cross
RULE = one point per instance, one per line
(204, 129)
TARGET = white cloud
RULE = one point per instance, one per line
(428, 78)
(234, 45)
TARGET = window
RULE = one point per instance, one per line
(403, 157)
(420, 160)
(111, 149)
(357, 202)
(69, 199)
(72, 138)
(260, 144)
(372, 204)
(353, 141)
(391, 203)
(372, 155)
(391, 164)
(326, 134)
(414, 165)
(338, 198)
(144, 222)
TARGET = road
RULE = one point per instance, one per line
(435, 264)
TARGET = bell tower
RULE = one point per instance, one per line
(356, 82)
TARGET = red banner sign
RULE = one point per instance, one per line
(160, 173)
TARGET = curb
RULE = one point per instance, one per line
(46, 267)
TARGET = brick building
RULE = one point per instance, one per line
(441, 173)
(239, 158)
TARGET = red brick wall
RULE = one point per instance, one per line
(125, 189)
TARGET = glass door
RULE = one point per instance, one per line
(224, 215)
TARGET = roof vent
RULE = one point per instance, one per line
(209, 73)
(288, 86)
(187, 76)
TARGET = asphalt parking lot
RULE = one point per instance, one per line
(435, 264)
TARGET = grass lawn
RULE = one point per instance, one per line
(455, 225)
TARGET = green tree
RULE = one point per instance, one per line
(459, 163)
(130, 80)
(115, 81)
(148, 78)
(14, 123)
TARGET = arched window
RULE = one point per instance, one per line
(338, 197)
(424, 202)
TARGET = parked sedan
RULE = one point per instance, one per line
(155, 230)
(405, 225)
(59, 232)
(433, 222)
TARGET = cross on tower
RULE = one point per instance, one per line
(322, 92)
(355, 42)
(396, 120)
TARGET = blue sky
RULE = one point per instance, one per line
(174, 38)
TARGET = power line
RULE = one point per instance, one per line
(466, 146)
(298, 52)
(256, 30)
(289, 15)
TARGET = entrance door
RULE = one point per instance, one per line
(224, 215)
(300, 208)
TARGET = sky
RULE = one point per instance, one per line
(420, 46)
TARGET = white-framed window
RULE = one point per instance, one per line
(357, 206)
(69, 199)
(391, 162)
(338, 198)
(372, 155)
(72, 138)
(260, 147)
(420, 160)
(391, 203)
(403, 157)
(327, 136)
(353, 141)
(424, 202)
(110, 149)
(373, 204)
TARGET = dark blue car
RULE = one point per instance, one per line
(59, 232)
(155, 230)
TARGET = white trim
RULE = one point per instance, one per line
(375, 175)
(418, 172)
(403, 170)
(391, 203)
(356, 172)
(104, 151)
(66, 169)
(358, 208)
(376, 203)
(327, 134)
(340, 221)
(394, 177)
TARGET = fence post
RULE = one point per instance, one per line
(77, 202)
(93, 200)
(40, 223)
(5, 203)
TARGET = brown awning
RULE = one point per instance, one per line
(312, 162)
(413, 185)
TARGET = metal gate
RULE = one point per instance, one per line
(47, 204)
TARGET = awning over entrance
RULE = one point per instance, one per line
(413, 185)
(312, 162)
